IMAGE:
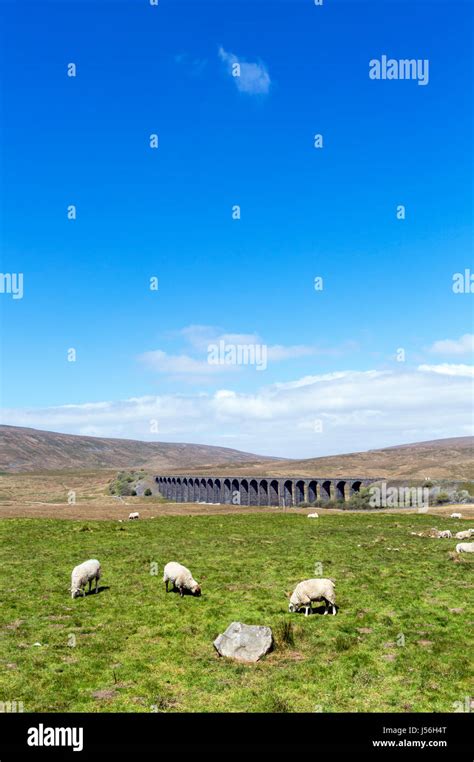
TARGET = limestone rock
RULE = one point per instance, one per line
(244, 642)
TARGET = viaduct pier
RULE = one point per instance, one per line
(263, 490)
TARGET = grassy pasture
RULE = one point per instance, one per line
(401, 641)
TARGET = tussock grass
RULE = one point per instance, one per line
(133, 648)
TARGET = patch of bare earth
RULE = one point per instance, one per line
(105, 695)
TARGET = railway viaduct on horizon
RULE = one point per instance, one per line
(257, 490)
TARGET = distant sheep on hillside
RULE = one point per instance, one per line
(465, 547)
(464, 535)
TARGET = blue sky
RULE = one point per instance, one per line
(141, 368)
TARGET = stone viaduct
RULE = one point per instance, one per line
(253, 490)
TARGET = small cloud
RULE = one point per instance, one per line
(251, 78)
(462, 346)
(179, 365)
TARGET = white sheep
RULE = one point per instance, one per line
(465, 535)
(465, 547)
(313, 590)
(456, 515)
(313, 516)
(181, 578)
(83, 574)
(134, 515)
(445, 534)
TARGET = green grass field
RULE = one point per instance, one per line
(401, 641)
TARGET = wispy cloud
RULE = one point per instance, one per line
(462, 346)
(193, 364)
(251, 78)
(179, 365)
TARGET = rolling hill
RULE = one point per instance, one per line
(27, 450)
(32, 450)
(437, 459)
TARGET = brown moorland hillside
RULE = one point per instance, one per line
(31, 450)
(438, 459)
(26, 450)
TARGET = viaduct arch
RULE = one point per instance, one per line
(252, 490)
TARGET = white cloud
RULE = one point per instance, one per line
(447, 369)
(200, 339)
(183, 365)
(358, 410)
(462, 346)
(253, 78)
(309, 380)
(180, 365)
(199, 336)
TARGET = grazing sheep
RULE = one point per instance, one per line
(313, 590)
(445, 535)
(465, 535)
(180, 578)
(465, 547)
(313, 516)
(134, 515)
(456, 515)
(83, 574)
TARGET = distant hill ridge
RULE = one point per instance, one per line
(450, 459)
(25, 450)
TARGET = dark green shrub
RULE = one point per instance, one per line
(124, 483)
